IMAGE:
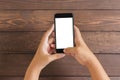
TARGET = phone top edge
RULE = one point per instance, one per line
(62, 15)
(59, 50)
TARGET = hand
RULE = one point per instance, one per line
(85, 56)
(81, 52)
(46, 48)
(43, 56)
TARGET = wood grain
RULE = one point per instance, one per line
(57, 4)
(99, 42)
(48, 78)
(40, 20)
(56, 78)
(19, 41)
(16, 65)
(23, 22)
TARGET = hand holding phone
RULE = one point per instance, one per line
(64, 31)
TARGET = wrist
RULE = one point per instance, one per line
(35, 68)
(39, 62)
(32, 72)
(92, 61)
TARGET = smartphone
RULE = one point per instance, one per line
(64, 31)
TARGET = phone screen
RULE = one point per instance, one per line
(64, 32)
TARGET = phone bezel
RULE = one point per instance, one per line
(62, 15)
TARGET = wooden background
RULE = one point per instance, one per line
(23, 22)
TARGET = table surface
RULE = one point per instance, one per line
(23, 22)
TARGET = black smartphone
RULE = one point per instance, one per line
(64, 31)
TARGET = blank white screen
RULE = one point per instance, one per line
(64, 33)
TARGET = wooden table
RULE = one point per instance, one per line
(23, 22)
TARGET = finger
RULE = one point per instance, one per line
(77, 31)
(51, 40)
(52, 49)
(52, 45)
(53, 34)
(56, 56)
(69, 50)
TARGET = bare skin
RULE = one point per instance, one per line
(42, 57)
(80, 52)
(85, 57)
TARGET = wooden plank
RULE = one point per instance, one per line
(57, 4)
(99, 42)
(115, 4)
(40, 20)
(19, 41)
(65, 78)
(11, 78)
(48, 78)
(74, 78)
(16, 65)
(56, 78)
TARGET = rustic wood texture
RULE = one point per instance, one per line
(23, 22)
(99, 42)
(16, 64)
(40, 20)
(56, 78)
(48, 78)
(58, 4)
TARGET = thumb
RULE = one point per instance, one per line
(56, 56)
(69, 50)
(47, 34)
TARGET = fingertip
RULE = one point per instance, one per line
(53, 34)
(52, 45)
(75, 26)
(64, 50)
(52, 27)
(49, 31)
